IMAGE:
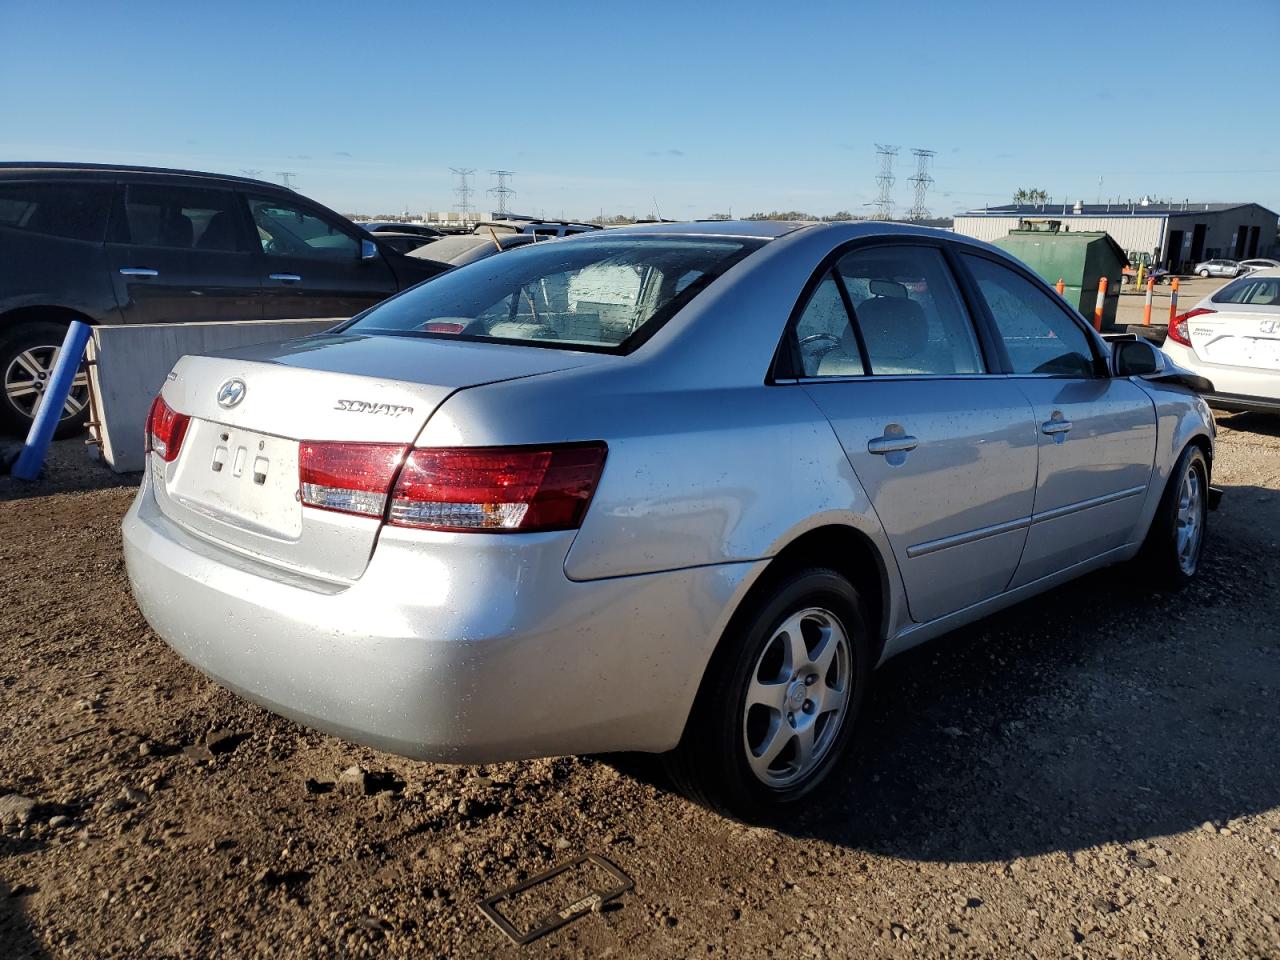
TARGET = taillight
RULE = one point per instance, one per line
(497, 489)
(442, 326)
(348, 477)
(1178, 329)
(165, 430)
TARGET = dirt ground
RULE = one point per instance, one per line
(1091, 774)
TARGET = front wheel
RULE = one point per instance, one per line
(1204, 273)
(780, 698)
(1171, 554)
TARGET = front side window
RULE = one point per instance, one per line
(589, 292)
(291, 230)
(909, 312)
(1038, 334)
(1258, 291)
(183, 218)
(76, 211)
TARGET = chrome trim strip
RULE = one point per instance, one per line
(1071, 508)
(933, 546)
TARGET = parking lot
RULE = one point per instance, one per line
(1089, 774)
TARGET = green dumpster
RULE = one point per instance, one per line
(1079, 258)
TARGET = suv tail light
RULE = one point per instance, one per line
(1178, 329)
(348, 477)
(165, 430)
(497, 489)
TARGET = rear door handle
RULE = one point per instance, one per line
(286, 277)
(898, 443)
(138, 272)
(1056, 425)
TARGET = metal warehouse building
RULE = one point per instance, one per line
(1175, 235)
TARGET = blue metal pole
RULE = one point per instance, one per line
(31, 459)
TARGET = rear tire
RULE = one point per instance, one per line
(780, 699)
(1170, 556)
(1205, 274)
(26, 361)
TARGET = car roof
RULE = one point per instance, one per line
(768, 229)
(27, 168)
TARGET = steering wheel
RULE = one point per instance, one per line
(829, 339)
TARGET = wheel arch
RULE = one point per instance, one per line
(41, 313)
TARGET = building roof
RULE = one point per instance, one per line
(1133, 209)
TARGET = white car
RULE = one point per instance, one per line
(1261, 263)
(1232, 337)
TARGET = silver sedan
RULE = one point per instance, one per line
(676, 488)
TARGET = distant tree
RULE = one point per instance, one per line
(1033, 195)
(839, 216)
(783, 215)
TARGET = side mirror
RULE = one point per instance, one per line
(1137, 358)
(368, 250)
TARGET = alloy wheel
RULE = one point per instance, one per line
(797, 697)
(1189, 523)
(27, 378)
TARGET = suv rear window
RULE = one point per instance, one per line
(598, 292)
(77, 211)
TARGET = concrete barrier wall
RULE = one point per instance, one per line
(129, 364)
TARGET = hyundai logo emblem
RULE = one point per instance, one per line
(231, 392)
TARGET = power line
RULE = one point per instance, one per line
(463, 190)
(922, 180)
(885, 180)
(502, 192)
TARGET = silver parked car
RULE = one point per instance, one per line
(1217, 268)
(674, 488)
(1260, 263)
(1232, 337)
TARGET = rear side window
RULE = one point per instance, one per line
(76, 211)
(828, 347)
(1039, 336)
(909, 312)
(181, 218)
(602, 292)
(1256, 291)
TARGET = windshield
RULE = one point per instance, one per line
(596, 292)
(1256, 291)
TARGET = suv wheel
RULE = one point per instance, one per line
(780, 699)
(27, 355)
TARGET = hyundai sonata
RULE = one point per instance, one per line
(675, 488)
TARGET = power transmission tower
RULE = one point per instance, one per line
(286, 178)
(249, 172)
(921, 181)
(463, 190)
(885, 180)
(502, 192)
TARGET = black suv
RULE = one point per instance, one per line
(108, 244)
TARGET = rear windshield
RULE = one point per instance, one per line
(1257, 291)
(596, 292)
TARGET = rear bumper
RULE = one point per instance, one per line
(1236, 403)
(459, 648)
(1235, 388)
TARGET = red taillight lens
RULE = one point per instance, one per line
(1178, 329)
(165, 430)
(442, 326)
(348, 477)
(497, 489)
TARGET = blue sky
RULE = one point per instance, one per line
(699, 107)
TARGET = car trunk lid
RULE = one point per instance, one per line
(235, 480)
(1237, 338)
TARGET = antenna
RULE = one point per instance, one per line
(463, 190)
(885, 180)
(286, 178)
(502, 191)
(921, 181)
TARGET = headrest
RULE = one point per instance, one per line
(893, 328)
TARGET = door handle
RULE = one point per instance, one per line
(898, 443)
(286, 277)
(138, 272)
(1056, 425)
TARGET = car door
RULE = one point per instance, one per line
(311, 263)
(945, 450)
(180, 253)
(1097, 433)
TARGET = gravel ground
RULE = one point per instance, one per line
(1092, 774)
